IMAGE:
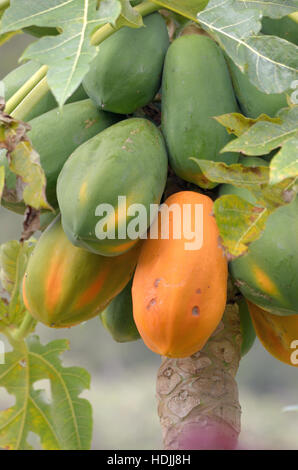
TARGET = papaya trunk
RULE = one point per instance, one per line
(197, 396)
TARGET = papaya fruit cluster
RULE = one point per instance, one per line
(106, 160)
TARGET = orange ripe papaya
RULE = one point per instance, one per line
(278, 334)
(65, 285)
(179, 289)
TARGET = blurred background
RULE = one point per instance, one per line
(123, 375)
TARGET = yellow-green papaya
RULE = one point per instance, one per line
(196, 87)
(111, 180)
(125, 75)
(65, 285)
(285, 28)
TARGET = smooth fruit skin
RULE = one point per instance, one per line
(56, 134)
(196, 87)
(126, 73)
(179, 295)
(65, 285)
(247, 328)
(18, 77)
(117, 318)
(285, 28)
(254, 102)
(268, 274)
(128, 159)
(278, 335)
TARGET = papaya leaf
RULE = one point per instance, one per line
(285, 163)
(239, 222)
(272, 8)
(63, 421)
(271, 63)
(188, 8)
(237, 124)
(23, 162)
(69, 54)
(14, 257)
(253, 178)
(264, 136)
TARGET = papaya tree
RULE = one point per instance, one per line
(154, 145)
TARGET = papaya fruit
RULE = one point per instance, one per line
(196, 86)
(64, 285)
(285, 28)
(268, 274)
(121, 167)
(117, 318)
(252, 101)
(278, 335)
(18, 77)
(54, 135)
(179, 291)
(247, 329)
(126, 73)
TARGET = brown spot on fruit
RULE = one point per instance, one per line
(151, 304)
(156, 282)
(198, 291)
(195, 311)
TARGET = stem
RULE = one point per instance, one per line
(197, 396)
(98, 37)
(18, 97)
(25, 328)
(33, 97)
(107, 30)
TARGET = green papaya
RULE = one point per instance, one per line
(117, 318)
(268, 274)
(254, 102)
(126, 73)
(64, 285)
(285, 28)
(247, 329)
(196, 87)
(55, 135)
(16, 79)
(119, 172)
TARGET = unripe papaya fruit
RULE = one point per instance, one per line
(65, 285)
(16, 79)
(117, 318)
(254, 102)
(56, 134)
(126, 73)
(196, 87)
(179, 293)
(268, 274)
(247, 329)
(285, 28)
(129, 160)
(279, 335)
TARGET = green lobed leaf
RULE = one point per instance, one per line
(271, 63)
(285, 163)
(69, 54)
(237, 124)
(2, 180)
(186, 8)
(263, 137)
(14, 257)
(63, 422)
(272, 8)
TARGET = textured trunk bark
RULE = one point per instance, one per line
(197, 396)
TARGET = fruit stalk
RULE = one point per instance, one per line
(197, 396)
